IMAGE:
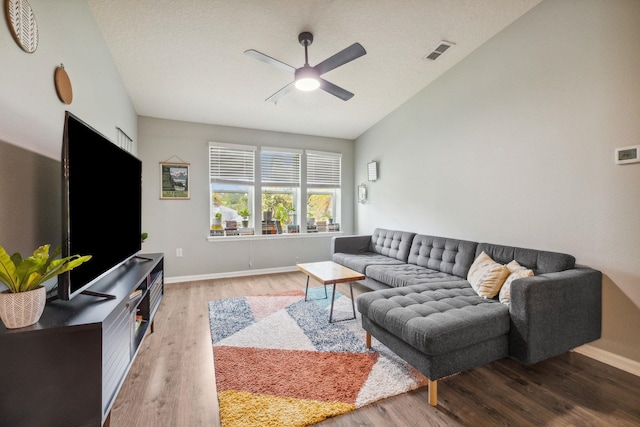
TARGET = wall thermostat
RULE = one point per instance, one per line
(630, 154)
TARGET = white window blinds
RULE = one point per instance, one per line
(280, 167)
(124, 141)
(231, 164)
(323, 169)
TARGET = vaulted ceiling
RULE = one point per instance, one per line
(184, 59)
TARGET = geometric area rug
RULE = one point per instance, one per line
(279, 362)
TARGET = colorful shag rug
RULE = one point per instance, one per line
(279, 362)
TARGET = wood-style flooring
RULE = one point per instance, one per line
(171, 382)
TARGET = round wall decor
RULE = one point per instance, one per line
(63, 85)
(22, 23)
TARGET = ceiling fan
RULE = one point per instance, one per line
(307, 78)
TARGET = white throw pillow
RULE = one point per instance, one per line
(516, 272)
(487, 276)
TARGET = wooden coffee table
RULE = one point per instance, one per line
(330, 273)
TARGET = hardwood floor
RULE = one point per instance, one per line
(172, 382)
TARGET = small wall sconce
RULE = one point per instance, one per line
(372, 171)
(362, 193)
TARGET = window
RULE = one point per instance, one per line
(232, 181)
(280, 181)
(323, 191)
(271, 189)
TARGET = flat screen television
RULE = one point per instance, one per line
(101, 205)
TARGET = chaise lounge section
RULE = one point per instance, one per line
(425, 309)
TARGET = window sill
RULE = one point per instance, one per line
(275, 236)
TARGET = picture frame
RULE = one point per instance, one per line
(174, 181)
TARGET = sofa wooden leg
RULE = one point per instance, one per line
(433, 393)
(367, 339)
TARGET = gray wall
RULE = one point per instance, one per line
(184, 224)
(31, 116)
(515, 145)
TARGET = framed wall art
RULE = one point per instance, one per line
(174, 181)
(22, 23)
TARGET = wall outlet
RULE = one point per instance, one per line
(179, 252)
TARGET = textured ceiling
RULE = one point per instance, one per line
(183, 59)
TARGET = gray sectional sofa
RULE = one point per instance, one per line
(425, 310)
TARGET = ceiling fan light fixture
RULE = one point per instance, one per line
(307, 79)
(307, 84)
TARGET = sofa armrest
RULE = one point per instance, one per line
(554, 312)
(350, 244)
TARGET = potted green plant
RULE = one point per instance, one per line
(283, 215)
(311, 221)
(245, 214)
(23, 302)
(217, 221)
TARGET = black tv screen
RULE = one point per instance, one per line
(102, 189)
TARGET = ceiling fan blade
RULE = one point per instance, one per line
(343, 94)
(279, 94)
(269, 60)
(348, 54)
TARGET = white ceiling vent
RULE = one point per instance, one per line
(442, 48)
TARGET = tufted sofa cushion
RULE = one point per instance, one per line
(392, 243)
(436, 318)
(407, 275)
(360, 262)
(540, 262)
(385, 247)
(449, 256)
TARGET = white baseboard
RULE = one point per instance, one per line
(609, 358)
(244, 273)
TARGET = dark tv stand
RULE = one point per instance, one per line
(73, 362)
